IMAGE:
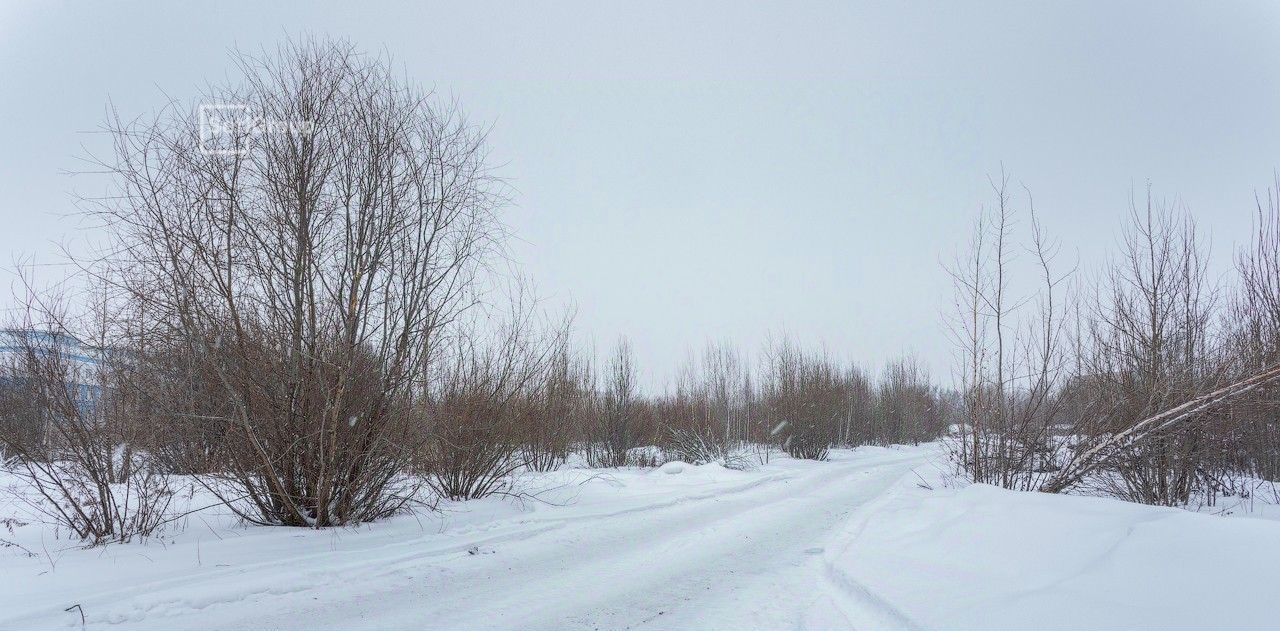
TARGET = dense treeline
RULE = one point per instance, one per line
(516, 398)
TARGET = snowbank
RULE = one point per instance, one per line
(986, 558)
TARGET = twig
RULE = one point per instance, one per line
(80, 609)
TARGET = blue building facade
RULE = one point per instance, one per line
(83, 362)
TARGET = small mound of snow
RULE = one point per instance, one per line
(674, 467)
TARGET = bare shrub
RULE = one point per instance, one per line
(710, 417)
(865, 421)
(688, 445)
(1182, 406)
(1159, 399)
(65, 441)
(472, 445)
(477, 413)
(557, 411)
(305, 273)
(805, 399)
(907, 406)
(615, 429)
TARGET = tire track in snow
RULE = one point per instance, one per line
(853, 599)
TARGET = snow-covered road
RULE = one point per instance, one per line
(871, 539)
(668, 548)
(745, 558)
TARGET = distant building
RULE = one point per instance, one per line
(83, 361)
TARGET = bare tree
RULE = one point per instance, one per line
(1151, 348)
(1179, 406)
(1011, 351)
(306, 269)
(1254, 315)
(614, 432)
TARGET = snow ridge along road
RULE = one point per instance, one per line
(676, 547)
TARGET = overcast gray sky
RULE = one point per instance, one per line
(694, 171)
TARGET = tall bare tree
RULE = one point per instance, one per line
(305, 262)
(1011, 348)
(1151, 347)
(1255, 343)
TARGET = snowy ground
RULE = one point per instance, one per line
(852, 543)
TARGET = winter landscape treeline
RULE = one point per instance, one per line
(1152, 380)
(318, 326)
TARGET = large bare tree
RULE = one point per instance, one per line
(299, 250)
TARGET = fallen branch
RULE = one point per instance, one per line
(1110, 446)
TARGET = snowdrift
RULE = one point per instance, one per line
(987, 558)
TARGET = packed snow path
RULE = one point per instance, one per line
(737, 551)
(746, 558)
